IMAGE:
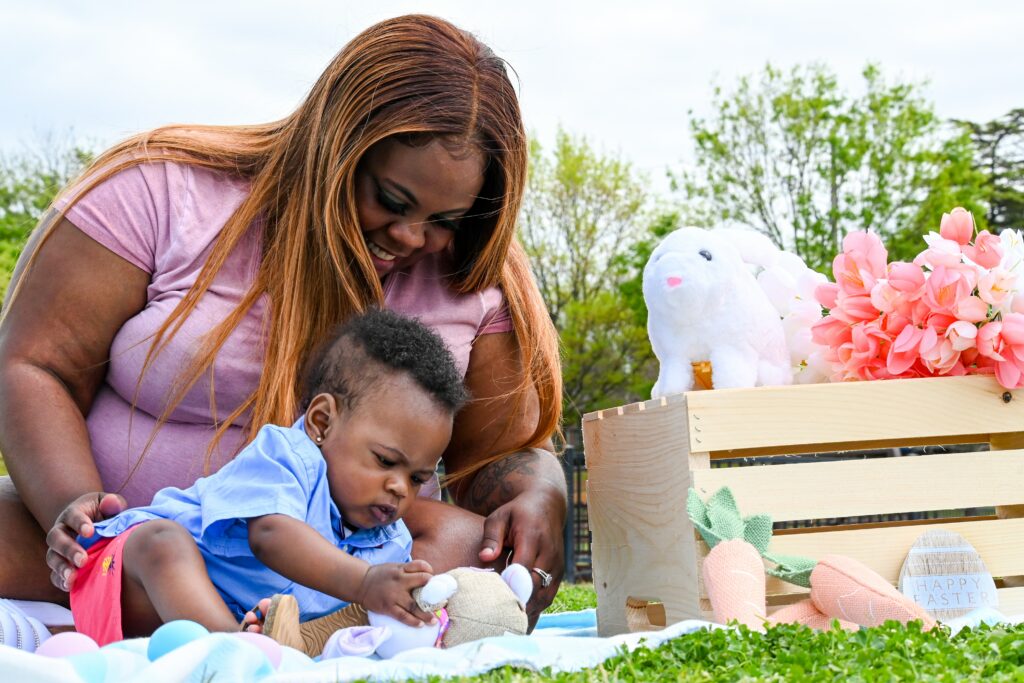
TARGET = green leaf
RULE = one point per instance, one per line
(792, 568)
(757, 531)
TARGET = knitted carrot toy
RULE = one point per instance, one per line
(842, 588)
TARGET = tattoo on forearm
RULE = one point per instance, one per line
(495, 484)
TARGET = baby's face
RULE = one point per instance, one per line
(380, 454)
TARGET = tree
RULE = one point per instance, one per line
(28, 183)
(999, 146)
(798, 158)
(583, 215)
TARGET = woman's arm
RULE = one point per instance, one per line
(296, 551)
(54, 347)
(522, 495)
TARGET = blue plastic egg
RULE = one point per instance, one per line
(173, 635)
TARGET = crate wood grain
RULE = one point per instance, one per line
(642, 458)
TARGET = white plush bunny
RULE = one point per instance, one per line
(704, 304)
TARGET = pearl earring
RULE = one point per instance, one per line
(319, 438)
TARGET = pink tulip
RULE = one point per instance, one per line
(904, 350)
(854, 308)
(962, 335)
(907, 278)
(945, 288)
(826, 294)
(941, 358)
(972, 309)
(1013, 329)
(987, 250)
(990, 341)
(830, 332)
(940, 252)
(861, 263)
(957, 225)
(995, 285)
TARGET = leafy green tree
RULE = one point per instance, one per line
(583, 217)
(999, 146)
(28, 183)
(797, 157)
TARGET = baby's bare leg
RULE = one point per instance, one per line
(164, 578)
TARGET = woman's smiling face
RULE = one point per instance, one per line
(410, 198)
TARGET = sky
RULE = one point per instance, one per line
(626, 75)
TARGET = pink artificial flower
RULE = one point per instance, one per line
(946, 288)
(830, 332)
(906, 278)
(957, 225)
(987, 250)
(995, 285)
(854, 308)
(864, 355)
(904, 285)
(962, 335)
(1013, 329)
(826, 294)
(861, 263)
(940, 252)
(941, 358)
(972, 309)
(903, 352)
(990, 340)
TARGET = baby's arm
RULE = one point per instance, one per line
(296, 551)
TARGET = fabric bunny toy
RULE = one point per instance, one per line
(704, 304)
(469, 603)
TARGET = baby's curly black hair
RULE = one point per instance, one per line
(359, 351)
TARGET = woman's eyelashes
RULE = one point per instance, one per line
(394, 205)
(390, 203)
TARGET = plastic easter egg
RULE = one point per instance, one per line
(268, 646)
(173, 635)
(67, 644)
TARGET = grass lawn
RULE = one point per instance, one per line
(792, 653)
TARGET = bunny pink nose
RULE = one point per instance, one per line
(674, 281)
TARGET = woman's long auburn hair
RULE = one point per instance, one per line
(414, 76)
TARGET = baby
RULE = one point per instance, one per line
(313, 510)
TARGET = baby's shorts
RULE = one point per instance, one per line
(96, 592)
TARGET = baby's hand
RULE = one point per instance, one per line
(387, 589)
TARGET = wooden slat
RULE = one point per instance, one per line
(997, 541)
(848, 412)
(1011, 601)
(870, 487)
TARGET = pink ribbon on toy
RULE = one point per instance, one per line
(442, 616)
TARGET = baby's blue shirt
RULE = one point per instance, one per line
(280, 472)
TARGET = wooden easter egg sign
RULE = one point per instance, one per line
(944, 574)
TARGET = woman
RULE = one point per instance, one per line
(398, 180)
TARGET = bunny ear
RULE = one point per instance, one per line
(438, 590)
(755, 248)
(519, 580)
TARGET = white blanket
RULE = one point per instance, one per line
(561, 642)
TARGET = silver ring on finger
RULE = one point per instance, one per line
(545, 578)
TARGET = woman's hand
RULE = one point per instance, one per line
(64, 555)
(531, 525)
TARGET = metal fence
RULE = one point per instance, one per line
(577, 525)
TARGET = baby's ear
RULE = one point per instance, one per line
(519, 580)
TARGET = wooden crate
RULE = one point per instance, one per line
(643, 457)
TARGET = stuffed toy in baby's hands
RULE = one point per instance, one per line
(704, 304)
(469, 603)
